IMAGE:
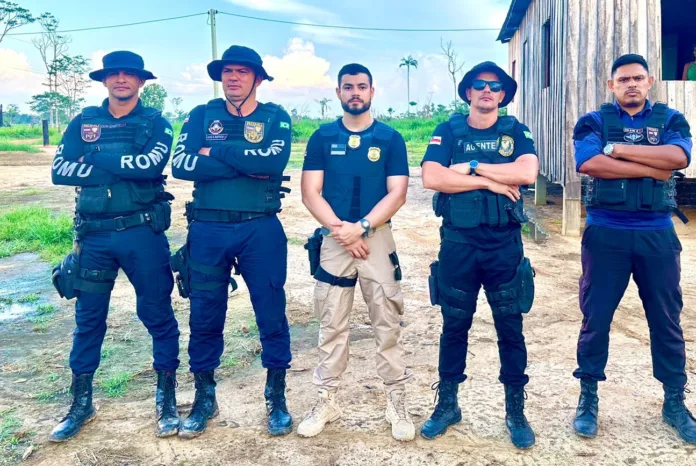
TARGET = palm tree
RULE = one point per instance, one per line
(408, 62)
(390, 111)
(324, 106)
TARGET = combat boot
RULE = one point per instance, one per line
(165, 404)
(204, 406)
(326, 410)
(279, 419)
(446, 412)
(676, 414)
(521, 432)
(398, 416)
(81, 410)
(585, 423)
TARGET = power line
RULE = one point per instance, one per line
(111, 26)
(357, 28)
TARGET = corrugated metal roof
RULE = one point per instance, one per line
(518, 8)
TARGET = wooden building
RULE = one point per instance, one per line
(561, 52)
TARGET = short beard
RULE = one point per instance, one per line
(356, 111)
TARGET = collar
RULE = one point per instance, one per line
(105, 108)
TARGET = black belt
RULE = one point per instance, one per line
(113, 224)
(229, 216)
(344, 282)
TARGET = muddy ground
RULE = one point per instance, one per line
(34, 348)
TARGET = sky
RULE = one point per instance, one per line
(304, 60)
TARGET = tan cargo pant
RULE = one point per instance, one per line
(385, 304)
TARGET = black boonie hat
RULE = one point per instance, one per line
(238, 55)
(122, 60)
(509, 84)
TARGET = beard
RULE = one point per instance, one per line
(356, 110)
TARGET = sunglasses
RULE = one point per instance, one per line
(480, 84)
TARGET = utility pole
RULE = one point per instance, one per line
(213, 39)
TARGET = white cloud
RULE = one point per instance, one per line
(299, 67)
(19, 80)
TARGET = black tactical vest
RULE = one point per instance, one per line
(355, 177)
(115, 138)
(481, 207)
(242, 193)
(637, 194)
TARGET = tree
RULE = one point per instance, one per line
(452, 66)
(12, 16)
(51, 46)
(390, 111)
(12, 113)
(324, 103)
(408, 62)
(42, 104)
(154, 95)
(69, 73)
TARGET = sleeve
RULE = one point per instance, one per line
(587, 137)
(66, 170)
(146, 166)
(678, 133)
(440, 146)
(314, 154)
(397, 164)
(524, 141)
(187, 164)
(269, 159)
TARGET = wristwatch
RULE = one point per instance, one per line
(609, 149)
(365, 223)
(472, 167)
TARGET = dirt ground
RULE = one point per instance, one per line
(34, 374)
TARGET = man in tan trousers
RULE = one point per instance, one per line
(354, 179)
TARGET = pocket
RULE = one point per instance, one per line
(394, 300)
(93, 199)
(465, 211)
(142, 193)
(612, 192)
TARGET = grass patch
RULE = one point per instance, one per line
(40, 320)
(31, 192)
(9, 300)
(296, 241)
(8, 425)
(36, 229)
(44, 397)
(117, 385)
(28, 132)
(230, 361)
(107, 351)
(248, 329)
(8, 146)
(12, 439)
(45, 309)
(29, 298)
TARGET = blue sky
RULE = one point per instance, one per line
(304, 60)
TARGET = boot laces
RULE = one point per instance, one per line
(516, 407)
(397, 399)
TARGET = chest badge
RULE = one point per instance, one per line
(633, 135)
(653, 135)
(215, 127)
(507, 146)
(354, 141)
(253, 131)
(373, 154)
(90, 133)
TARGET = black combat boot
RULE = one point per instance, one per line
(521, 432)
(279, 419)
(676, 415)
(204, 406)
(585, 423)
(446, 412)
(81, 410)
(165, 404)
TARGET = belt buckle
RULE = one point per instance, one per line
(117, 220)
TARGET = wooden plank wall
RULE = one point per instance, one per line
(541, 109)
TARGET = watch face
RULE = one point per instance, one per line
(473, 164)
(365, 224)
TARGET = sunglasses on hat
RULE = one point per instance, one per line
(480, 84)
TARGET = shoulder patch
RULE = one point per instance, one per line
(528, 135)
(169, 131)
(284, 125)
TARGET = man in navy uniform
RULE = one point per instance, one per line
(114, 155)
(477, 163)
(235, 150)
(629, 149)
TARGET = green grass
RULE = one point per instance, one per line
(8, 425)
(44, 397)
(230, 361)
(117, 385)
(7, 146)
(296, 241)
(40, 320)
(45, 309)
(29, 298)
(28, 132)
(35, 229)
(31, 192)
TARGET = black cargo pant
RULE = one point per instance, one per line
(609, 257)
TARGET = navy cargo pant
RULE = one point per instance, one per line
(609, 257)
(144, 257)
(467, 267)
(261, 250)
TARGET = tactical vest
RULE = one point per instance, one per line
(637, 194)
(117, 137)
(355, 177)
(242, 193)
(480, 207)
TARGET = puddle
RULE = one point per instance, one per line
(534, 232)
(22, 275)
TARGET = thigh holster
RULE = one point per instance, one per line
(452, 301)
(182, 265)
(516, 296)
(68, 278)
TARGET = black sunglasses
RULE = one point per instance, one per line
(480, 84)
